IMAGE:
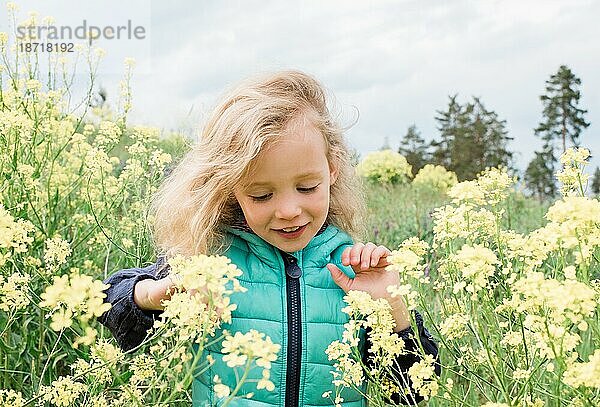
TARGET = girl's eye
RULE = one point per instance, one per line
(260, 198)
(311, 189)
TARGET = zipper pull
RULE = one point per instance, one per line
(292, 268)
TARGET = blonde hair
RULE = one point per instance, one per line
(196, 200)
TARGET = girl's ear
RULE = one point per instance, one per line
(333, 174)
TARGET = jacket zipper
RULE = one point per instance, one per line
(293, 272)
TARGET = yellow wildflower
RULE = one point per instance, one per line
(11, 398)
(220, 389)
(57, 251)
(13, 292)
(63, 392)
(477, 264)
(422, 376)
(454, 326)
(584, 374)
(468, 192)
(74, 295)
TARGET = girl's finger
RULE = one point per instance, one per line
(365, 257)
(379, 256)
(354, 254)
(346, 256)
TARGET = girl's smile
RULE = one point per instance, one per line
(286, 198)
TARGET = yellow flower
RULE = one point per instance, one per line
(406, 259)
(200, 280)
(495, 184)
(57, 251)
(467, 192)
(265, 383)
(61, 319)
(573, 179)
(253, 346)
(520, 374)
(221, 390)
(477, 264)
(74, 295)
(87, 339)
(63, 392)
(13, 292)
(422, 376)
(14, 235)
(143, 368)
(11, 398)
(584, 374)
(454, 326)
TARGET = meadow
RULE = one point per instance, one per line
(507, 285)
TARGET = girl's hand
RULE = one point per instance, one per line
(148, 294)
(369, 262)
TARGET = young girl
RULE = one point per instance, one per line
(270, 185)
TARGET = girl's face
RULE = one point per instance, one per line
(288, 188)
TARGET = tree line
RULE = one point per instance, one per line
(471, 137)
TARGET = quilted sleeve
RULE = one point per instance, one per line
(404, 361)
(125, 320)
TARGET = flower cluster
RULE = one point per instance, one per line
(251, 347)
(550, 308)
(406, 260)
(11, 398)
(364, 313)
(421, 375)
(13, 292)
(14, 235)
(74, 296)
(436, 177)
(57, 251)
(476, 264)
(475, 210)
(201, 301)
(386, 167)
(572, 178)
(584, 374)
(63, 392)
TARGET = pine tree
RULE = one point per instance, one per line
(539, 175)
(414, 149)
(596, 182)
(471, 139)
(447, 126)
(562, 118)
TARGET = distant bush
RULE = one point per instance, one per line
(385, 167)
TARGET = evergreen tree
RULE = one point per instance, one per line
(414, 149)
(596, 182)
(448, 127)
(562, 118)
(539, 175)
(471, 139)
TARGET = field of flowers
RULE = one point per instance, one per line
(508, 286)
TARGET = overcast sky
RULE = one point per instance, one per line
(393, 62)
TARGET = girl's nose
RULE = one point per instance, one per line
(288, 210)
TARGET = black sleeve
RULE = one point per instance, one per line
(125, 320)
(404, 361)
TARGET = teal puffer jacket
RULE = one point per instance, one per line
(291, 298)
